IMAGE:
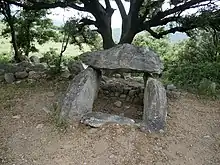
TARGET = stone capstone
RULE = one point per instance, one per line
(124, 58)
(80, 95)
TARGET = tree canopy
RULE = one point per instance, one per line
(143, 15)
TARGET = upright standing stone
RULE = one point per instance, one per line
(80, 95)
(155, 106)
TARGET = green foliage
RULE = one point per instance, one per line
(160, 46)
(196, 63)
(4, 58)
(32, 27)
(80, 34)
(52, 59)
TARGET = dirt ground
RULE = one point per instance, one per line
(28, 135)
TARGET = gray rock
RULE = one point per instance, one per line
(98, 119)
(123, 96)
(21, 75)
(124, 58)
(118, 104)
(24, 64)
(40, 67)
(35, 59)
(35, 75)
(155, 106)
(66, 74)
(80, 94)
(75, 67)
(131, 93)
(11, 68)
(9, 77)
(171, 87)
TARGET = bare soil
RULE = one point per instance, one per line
(29, 136)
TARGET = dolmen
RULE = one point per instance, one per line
(77, 105)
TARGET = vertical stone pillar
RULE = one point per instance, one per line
(155, 106)
(80, 95)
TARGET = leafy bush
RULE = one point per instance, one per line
(52, 59)
(196, 63)
(5, 58)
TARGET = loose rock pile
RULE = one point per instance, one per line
(12, 72)
(34, 70)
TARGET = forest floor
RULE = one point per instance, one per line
(29, 135)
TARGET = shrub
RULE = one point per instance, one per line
(5, 58)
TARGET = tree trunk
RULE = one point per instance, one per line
(28, 46)
(106, 33)
(128, 30)
(10, 21)
(14, 42)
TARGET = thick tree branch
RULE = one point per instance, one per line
(43, 5)
(86, 21)
(109, 9)
(171, 30)
(182, 7)
(108, 5)
(121, 9)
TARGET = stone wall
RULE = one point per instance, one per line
(122, 91)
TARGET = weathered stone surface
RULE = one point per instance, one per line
(23, 65)
(155, 106)
(10, 68)
(75, 67)
(124, 58)
(36, 75)
(35, 59)
(9, 77)
(98, 119)
(66, 74)
(21, 75)
(118, 104)
(80, 94)
(171, 87)
(40, 67)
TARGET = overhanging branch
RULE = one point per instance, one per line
(182, 7)
(43, 5)
(171, 30)
(121, 9)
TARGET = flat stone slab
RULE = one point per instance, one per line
(98, 119)
(124, 58)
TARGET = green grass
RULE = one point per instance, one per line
(71, 51)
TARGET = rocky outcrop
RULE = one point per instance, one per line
(80, 95)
